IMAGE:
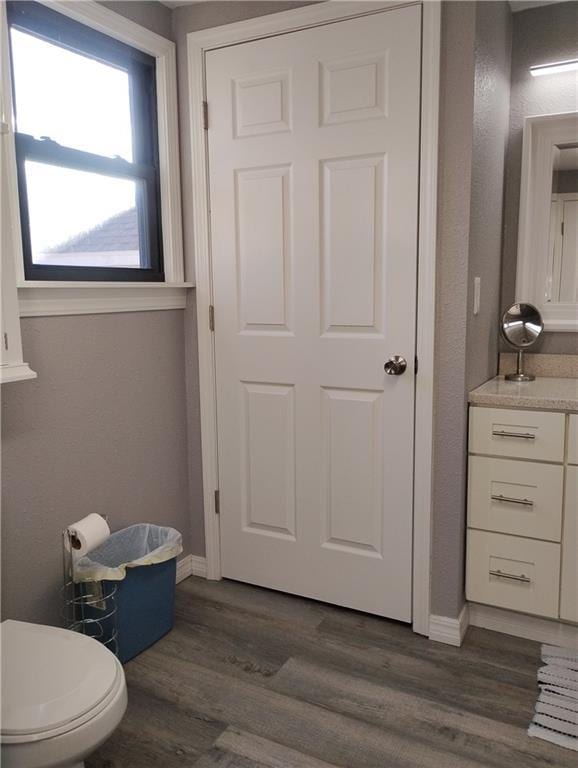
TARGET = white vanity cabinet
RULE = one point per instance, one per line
(569, 581)
(522, 548)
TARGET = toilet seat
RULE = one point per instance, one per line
(53, 681)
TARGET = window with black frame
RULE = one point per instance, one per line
(86, 150)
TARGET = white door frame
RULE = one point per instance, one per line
(198, 43)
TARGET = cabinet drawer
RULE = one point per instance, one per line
(573, 439)
(511, 572)
(517, 434)
(516, 497)
(569, 592)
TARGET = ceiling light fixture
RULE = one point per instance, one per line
(554, 68)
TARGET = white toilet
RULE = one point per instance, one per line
(63, 694)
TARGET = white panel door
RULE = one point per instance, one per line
(313, 160)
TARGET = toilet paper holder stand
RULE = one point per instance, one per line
(89, 607)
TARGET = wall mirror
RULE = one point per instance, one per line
(547, 270)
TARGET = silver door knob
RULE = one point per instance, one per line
(395, 366)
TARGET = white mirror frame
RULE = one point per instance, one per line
(542, 134)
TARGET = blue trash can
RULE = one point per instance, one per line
(141, 562)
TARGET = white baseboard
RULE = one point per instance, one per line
(184, 568)
(450, 631)
(199, 566)
(521, 625)
(191, 565)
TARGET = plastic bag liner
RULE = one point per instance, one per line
(143, 544)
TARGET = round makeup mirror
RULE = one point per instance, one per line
(522, 325)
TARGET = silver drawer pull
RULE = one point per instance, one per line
(511, 576)
(521, 435)
(511, 500)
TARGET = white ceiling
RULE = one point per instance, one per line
(515, 5)
(523, 5)
(176, 3)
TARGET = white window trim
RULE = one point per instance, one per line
(12, 366)
(94, 298)
(39, 298)
(541, 134)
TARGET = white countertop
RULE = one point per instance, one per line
(547, 394)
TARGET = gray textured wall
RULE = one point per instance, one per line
(454, 191)
(150, 14)
(102, 429)
(490, 131)
(194, 457)
(540, 35)
(474, 106)
(110, 425)
(565, 181)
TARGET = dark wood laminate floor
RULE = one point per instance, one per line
(250, 678)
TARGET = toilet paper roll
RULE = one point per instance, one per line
(87, 534)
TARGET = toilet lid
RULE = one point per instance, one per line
(50, 676)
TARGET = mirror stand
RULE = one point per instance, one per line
(520, 375)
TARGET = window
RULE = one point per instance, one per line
(86, 151)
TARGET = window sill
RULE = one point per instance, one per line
(43, 299)
(15, 372)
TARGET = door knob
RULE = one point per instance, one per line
(395, 366)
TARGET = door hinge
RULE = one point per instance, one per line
(206, 115)
(415, 366)
(5, 341)
(562, 228)
(217, 503)
(211, 317)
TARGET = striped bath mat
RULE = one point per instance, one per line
(556, 716)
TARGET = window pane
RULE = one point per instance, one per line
(75, 100)
(82, 219)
